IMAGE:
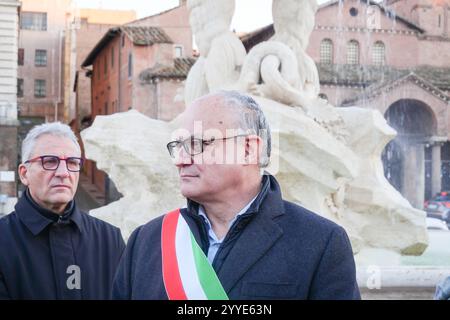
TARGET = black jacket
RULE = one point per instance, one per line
(44, 256)
(276, 250)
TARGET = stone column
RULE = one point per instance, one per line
(436, 169)
(409, 159)
(414, 174)
(420, 176)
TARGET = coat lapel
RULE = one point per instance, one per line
(256, 239)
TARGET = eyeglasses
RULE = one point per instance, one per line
(194, 146)
(73, 164)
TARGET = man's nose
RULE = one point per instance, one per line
(62, 170)
(182, 158)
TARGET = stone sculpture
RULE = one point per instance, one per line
(327, 159)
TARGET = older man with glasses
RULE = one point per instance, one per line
(49, 249)
(237, 238)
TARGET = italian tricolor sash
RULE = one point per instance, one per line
(187, 273)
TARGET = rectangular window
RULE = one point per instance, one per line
(178, 51)
(40, 58)
(39, 88)
(33, 21)
(21, 56)
(130, 65)
(19, 88)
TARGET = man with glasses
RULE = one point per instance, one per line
(237, 238)
(49, 249)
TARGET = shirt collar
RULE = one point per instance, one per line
(201, 212)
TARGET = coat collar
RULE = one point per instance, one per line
(36, 222)
(257, 237)
(269, 201)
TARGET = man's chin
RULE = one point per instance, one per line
(61, 198)
(189, 191)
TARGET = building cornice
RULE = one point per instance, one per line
(371, 94)
(366, 30)
(10, 3)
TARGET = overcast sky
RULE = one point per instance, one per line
(249, 14)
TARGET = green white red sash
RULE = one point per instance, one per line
(187, 273)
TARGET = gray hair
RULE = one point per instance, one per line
(54, 128)
(252, 119)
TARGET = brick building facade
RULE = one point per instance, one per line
(140, 65)
(41, 59)
(395, 57)
(87, 28)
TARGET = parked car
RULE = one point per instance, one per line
(438, 211)
(442, 198)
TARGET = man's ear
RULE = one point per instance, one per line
(23, 174)
(253, 149)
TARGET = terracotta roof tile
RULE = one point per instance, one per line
(180, 69)
(145, 36)
(141, 36)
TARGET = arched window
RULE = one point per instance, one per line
(352, 52)
(378, 53)
(326, 51)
